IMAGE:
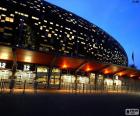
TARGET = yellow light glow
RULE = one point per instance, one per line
(106, 72)
(108, 82)
(120, 74)
(88, 69)
(68, 78)
(118, 82)
(4, 56)
(84, 80)
(116, 77)
(28, 59)
(132, 75)
(64, 66)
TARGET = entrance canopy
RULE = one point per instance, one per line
(65, 62)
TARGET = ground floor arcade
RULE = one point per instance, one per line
(54, 78)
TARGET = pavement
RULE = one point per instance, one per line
(66, 103)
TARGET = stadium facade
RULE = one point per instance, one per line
(45, 43)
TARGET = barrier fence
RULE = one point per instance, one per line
(89, 88)
(5, 85)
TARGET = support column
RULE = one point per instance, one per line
(60, 79)
(89, 78)
(35, 72)
(96, 77)
(14, 67)
(103, 82)
(49, 77)
(75, 81)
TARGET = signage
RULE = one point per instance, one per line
(26, 67)
(2, 65)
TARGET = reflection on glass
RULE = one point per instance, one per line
(117, 82)
(42, 69)
(92, 78)
(25, 75)
(68, 79)
(55, 77)
(56, 70)
(82, 79)
(5, 74)
(108, 82)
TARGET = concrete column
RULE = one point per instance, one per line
(60, 79)
(95, 82)
(49, 77)
(103, 82)
(75, 81)
(35, 72)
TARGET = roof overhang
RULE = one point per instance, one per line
(65, 62)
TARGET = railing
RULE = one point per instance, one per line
(69, 87)
(90, 88)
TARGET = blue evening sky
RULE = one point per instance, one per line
(120, 18)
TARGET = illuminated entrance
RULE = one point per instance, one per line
(42, 77)
(68, 81)
(55, 78)
(82, 82)
(5, 73)
(25, 76)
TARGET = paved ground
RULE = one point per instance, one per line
(62, 104)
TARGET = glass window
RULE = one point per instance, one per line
(42, 69)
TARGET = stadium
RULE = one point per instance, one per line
(44, 43)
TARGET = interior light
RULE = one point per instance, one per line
(120, 74)
(132, 75)
(4, 56)
(88, 69)
(64, 66)
(106, 72)
(27, 59)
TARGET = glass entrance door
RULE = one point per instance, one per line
(4, 78)
(55, 78)
(42, 77)
(25, 78)
(68, 81)
(5, 74)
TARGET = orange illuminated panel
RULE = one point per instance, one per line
(112, 69)
(88, 67)
(68, 62)
(64, 66)
(129, 73)
(121, 74)
(92, 66)
(107, 71)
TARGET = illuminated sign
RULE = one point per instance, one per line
(26, 67)
(2, 65)
(116, 77)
